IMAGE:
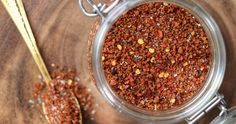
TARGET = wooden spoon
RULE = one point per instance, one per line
(17, 12)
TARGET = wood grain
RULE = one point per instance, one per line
(61, 31)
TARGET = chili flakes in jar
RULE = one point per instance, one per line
(156, 56)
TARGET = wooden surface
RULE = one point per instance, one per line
(61, 31)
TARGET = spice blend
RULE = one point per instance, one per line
(60, 104)
(156, 56)
(59, 100)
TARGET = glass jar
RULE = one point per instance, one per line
(191, 111)
(228, 118)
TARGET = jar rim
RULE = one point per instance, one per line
(210, 87)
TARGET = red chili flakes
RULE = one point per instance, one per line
(164, 59)
(57, 97)
(60, 104)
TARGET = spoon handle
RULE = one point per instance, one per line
(17, 12)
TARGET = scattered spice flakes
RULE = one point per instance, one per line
(171, 39)
(57, 97)
(85, 99)
(37, 89)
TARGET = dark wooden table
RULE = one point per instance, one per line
(62, 31)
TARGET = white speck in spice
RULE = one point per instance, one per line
(189, 38)
(192, 33)
(165, 4)
(175, 75)
(96, 105)
(54, 108)
(172, 61)
(151, 50)
(172, 101)
(137, 71)
(166, 75)
(140, 41)
(167, 49)
(93, 112)
(89, 90)
(77, 79)
(40, 77)
(142, 102)
(70, 82)
(171, 19)
(103, 58)
(161, 75)
(53, 65)
(113, 62)
(39, 100)
(119, 47)
(152, 60)
(62, 81)
(155, 107)
(31, 101)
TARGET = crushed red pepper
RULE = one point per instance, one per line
(58, 101)
(163, 57)
(60, 104)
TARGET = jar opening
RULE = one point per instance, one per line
(214, 77)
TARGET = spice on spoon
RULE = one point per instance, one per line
(57, 101)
